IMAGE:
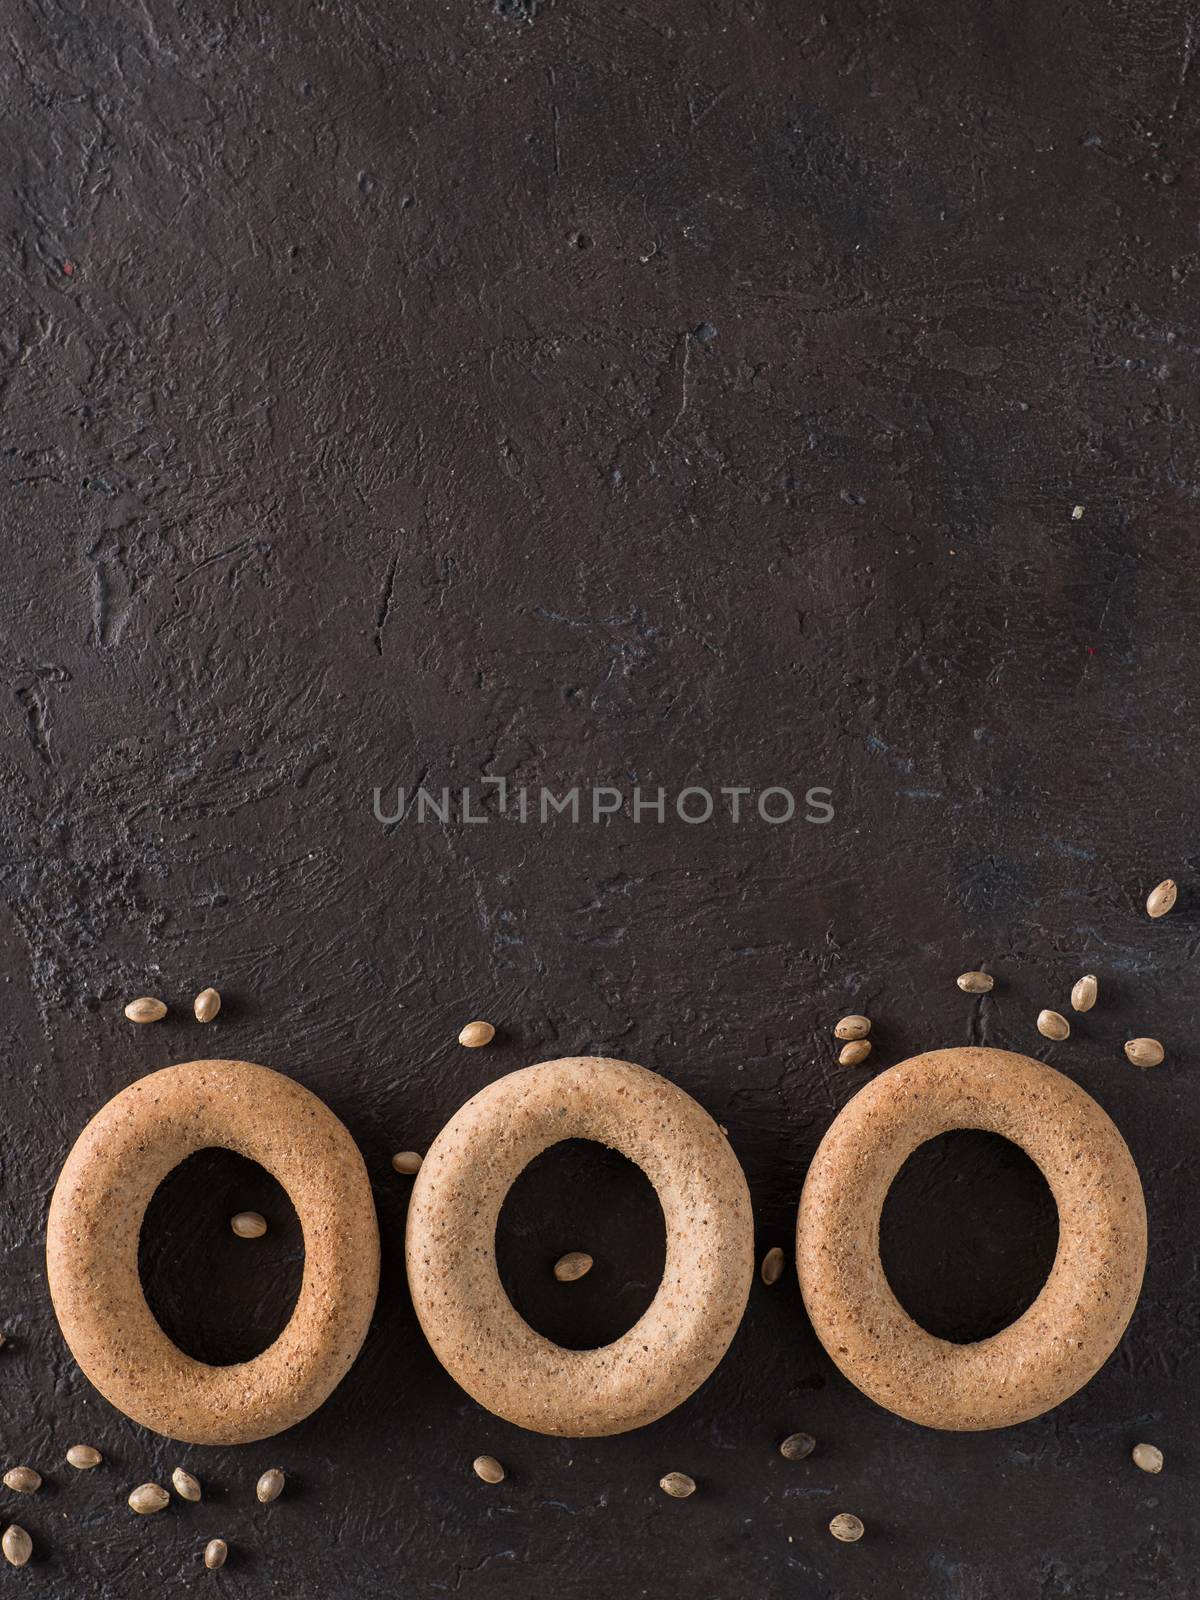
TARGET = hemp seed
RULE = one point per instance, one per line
(270, 1486)
(574, 1265)
(22, 1480)
(248, 1225)
(148, 1498)
(216, 1553)
(1144, 1052)
(1148, 1456)
(185, 1486)
(1083, 995)
(772, 1266)
(854, 1053)
(407, 1162)
(476, 1034)
(975, 982)
(488, 1468)
(1052, 1025)
(796, 1446)
(678, 1485)
(206, 1005)
(852, 1027)
(1161, 898)
(83, 1457)
(146, 1009)
(847, 1527)
(17, 1546)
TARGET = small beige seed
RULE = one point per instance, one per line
(17, 1546)
(216, 1553)
(1161, 898)
(1144, 1052)
(148, 1498)
(1052, 1025)
(22, 1480)
(185, 1486)
(147, 1009)
(772, 1266)
(847, 1527)
(84, 1457)
(248, 1225)
(1083, 995)
(796, 1446)
(489, 1469)
(1148, 1456)
(854, 1053)
(678, 1485)
(270, 1486)
(476, 1034)
(407, 1162)
(852, 1027)
(206, 1005)
(574, 1265)
(975, 982)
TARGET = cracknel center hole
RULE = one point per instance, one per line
(968, 1234)
(220, 1298)
(579, 1195)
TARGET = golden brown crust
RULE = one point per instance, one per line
(467, 1317)
(96, 1214)
(1075, 1323)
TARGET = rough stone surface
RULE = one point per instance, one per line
(649, 392)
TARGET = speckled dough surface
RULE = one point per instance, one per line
(1075, 1323)
(469, 1320)
(96, 1214)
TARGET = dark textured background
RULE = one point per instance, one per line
(607, 392)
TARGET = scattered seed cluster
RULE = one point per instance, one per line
(149, 1008)
(146, 1500)
(857, 1047)
(1085, 991)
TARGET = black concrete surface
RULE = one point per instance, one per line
(631, 393)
